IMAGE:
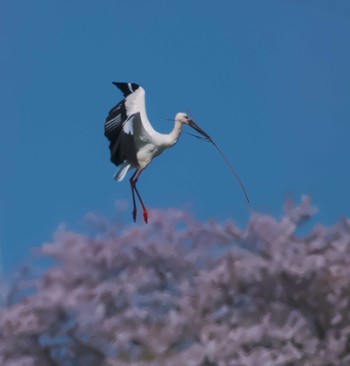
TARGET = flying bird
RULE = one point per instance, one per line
(134, 143)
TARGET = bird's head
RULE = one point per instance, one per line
(182, 118)
(186, 120)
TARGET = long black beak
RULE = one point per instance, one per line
(194, 125)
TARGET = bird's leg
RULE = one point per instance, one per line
(145, 212)
(133, 182)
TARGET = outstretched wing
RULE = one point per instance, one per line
(126, 118)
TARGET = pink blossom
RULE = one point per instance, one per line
(183, 292)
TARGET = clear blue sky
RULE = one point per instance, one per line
(269, 80)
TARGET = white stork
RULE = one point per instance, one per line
(133, 141)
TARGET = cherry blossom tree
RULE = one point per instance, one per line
(182, 292)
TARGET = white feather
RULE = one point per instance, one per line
(121, 173)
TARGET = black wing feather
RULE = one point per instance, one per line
(126, 88)
(122, 146)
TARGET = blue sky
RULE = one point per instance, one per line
(269, 80)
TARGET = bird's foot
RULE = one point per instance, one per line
(145, 216)
(134, 213)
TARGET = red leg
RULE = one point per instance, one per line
(134, 210)
(133, 182)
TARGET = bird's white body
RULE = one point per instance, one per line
(148, 143)
(154, 143)
(148, 147)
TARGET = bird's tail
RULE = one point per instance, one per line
(121, 173)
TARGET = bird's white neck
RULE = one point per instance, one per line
(175, 133)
